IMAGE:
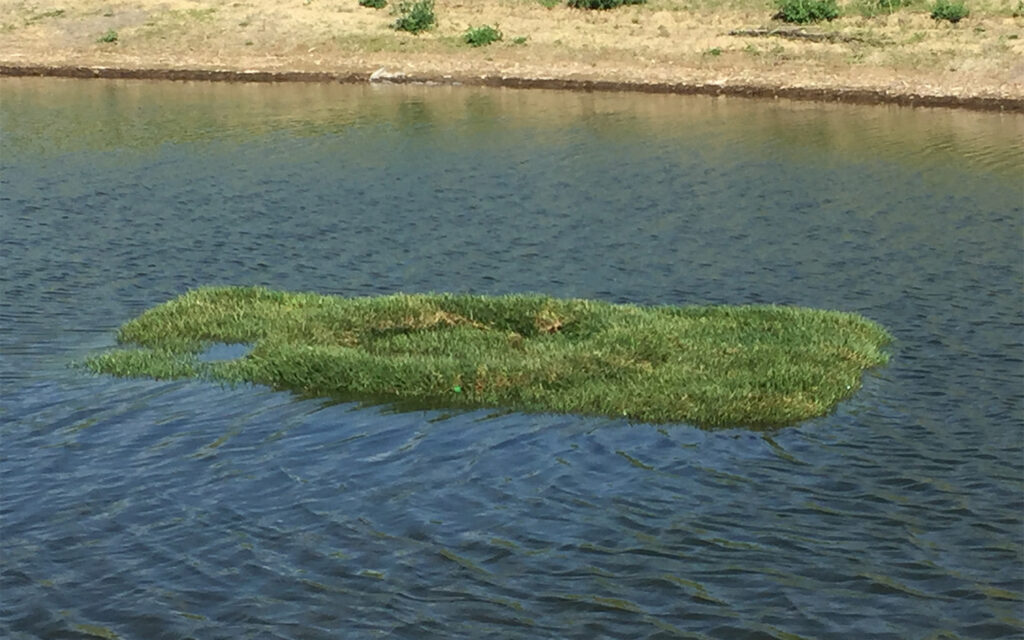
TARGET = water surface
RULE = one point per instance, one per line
(148, 509)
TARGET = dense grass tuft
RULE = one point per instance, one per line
(758, 366)
(481, 36)
(415, 16)
(806, 11)
(952, 10)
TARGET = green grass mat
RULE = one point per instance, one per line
(713, 366)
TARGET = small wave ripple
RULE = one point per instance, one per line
(142, 509)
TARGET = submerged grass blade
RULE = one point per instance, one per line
(716, 366)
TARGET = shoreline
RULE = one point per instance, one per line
(686, 47)
(840, 94)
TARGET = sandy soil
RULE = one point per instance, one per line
(676, 45)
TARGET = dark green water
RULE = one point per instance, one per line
(184, 510)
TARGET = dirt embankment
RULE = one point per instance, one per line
(697, 46)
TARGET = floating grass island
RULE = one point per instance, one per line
(714, 366)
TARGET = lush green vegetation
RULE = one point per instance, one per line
(415, 16)
(601, 4)
(951, 10)
(758, 366)
(805, 11)
(481, 36)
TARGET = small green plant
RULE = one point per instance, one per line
(601, 4)
(415, 16)
(714, 52)
(548, 4)
(481, 36)
(373, 4)
(109, 37)
(804, 11)
(1019, 11)
(519, 41)
(953, 11)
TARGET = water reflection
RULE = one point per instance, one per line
(56, 116)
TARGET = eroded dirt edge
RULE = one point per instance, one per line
(820, 94)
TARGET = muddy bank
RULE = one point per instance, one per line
(820, 94)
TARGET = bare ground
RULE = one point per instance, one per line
(672, 45)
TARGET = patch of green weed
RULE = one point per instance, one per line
(950, 10)
(806, 11)
(415, 16)
(481, 36)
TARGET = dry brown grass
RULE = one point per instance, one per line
(664, 41)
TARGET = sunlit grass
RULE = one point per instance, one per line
(714, 366)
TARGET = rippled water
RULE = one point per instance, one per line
(142, 509)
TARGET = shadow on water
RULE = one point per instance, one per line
(184, 509)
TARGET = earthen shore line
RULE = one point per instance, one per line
(820, 94)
